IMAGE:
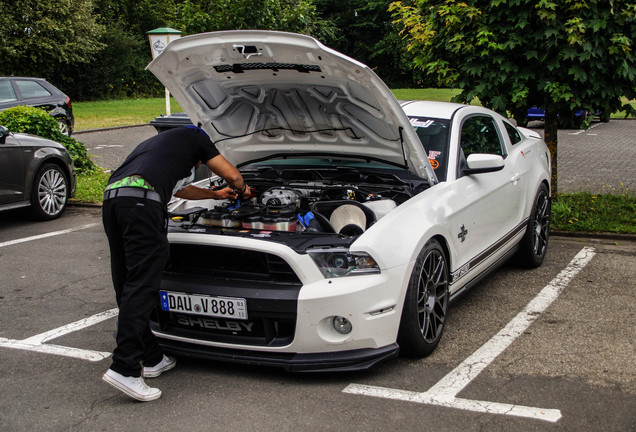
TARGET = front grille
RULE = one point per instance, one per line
(258, 330)
(266, 282)
(230, 264)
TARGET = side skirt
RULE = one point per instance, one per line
(505, 257)
(15, 205)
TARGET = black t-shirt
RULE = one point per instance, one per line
(166, 158)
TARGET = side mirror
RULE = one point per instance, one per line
(4, 132)
(479, 163)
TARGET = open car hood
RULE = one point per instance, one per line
(263, 93)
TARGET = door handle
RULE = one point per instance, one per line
(515, 178)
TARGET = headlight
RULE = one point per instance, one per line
(340, 262)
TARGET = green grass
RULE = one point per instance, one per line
(621, 114)
(90, 187)
(594, 213)
(124, 112)
(434, 94)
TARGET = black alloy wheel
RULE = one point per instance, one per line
(534, 244)
(426, 303)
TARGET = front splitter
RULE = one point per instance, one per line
(340, 361)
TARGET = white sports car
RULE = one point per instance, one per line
(367, 217)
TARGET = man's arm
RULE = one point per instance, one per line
(196, 193)
(228, 172)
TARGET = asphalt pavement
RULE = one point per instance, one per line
(601, 159)
(572, 368)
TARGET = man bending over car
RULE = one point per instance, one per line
(135, 220)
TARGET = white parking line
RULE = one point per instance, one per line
(77, 353)
(99, 147)
(50, 234)
(37, 343)
(69, 328)
(445, 391)
(585, 130)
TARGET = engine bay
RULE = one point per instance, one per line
(340, 201)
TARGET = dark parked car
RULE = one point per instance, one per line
(38, 92)
(571, 121)
(35, 172)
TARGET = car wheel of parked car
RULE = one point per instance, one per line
(50, 192)
(426, 303)
(534, 244)
(65, 129)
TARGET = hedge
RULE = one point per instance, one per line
(36, 121)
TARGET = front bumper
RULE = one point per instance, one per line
(290, 311)
(341, 361)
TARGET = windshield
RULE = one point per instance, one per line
(433, 134)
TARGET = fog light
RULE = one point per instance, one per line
(342, 325)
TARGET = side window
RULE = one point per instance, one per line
(479, 135)
(31, 89)
(513, 133)
(6, 92)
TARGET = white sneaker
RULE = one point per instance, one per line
(135, 387)
(165, 364)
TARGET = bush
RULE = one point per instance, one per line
(38, 122)
(588, 212)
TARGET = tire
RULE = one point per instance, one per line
(534, 244)
(426, 303)
(49, 194)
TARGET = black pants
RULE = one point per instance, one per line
(136, 231)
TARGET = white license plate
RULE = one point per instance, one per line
(223, 307)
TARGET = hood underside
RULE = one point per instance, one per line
(262, 93)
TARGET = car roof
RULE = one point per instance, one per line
(22, 78)
(422, 108)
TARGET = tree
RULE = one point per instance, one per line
(39, 35)
(297, 16)
(562, 55)
(118, 70)
(364, 30)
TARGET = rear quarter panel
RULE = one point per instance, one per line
(533, 160)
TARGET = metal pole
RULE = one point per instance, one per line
(167, 102)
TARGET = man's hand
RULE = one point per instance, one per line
(248, 192)
(244, 192)
(224, 193)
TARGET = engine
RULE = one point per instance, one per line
(342, 210)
